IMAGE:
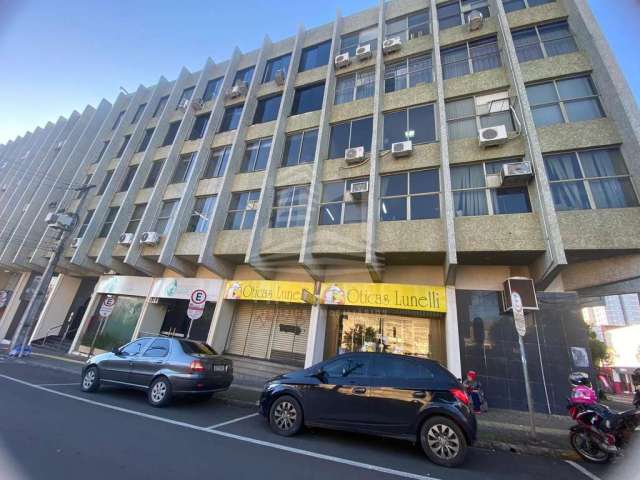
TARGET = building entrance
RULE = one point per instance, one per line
(177, 323)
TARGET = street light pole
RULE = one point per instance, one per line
(31, 313)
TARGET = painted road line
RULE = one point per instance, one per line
(58, 384)
(582, 470)
(254, 441)
(239, 419)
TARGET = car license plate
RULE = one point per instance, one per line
(219, 368)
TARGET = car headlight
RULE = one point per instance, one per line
(269, 385)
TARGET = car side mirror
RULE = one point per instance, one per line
(320, 374)
(116, 351)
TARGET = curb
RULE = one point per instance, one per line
(524, 449)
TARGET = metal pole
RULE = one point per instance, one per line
(527, 386)
(98, 332)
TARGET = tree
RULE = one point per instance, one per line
(599, 351)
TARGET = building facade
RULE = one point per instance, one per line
(368, 184)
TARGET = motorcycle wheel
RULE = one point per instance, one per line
(588, 449)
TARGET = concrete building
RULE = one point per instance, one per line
(349, 188)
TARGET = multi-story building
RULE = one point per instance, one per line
(368, 184)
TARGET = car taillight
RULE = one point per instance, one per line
(460, 395)
(196, 366)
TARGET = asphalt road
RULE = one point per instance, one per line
(50, 430)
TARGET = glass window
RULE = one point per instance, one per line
(466, 116)
(154, 173)
(217, 162)
(138, 113)
(346, 367)
(274, 65)
(449, 15)
(231, 118)
(407, 28)
(136, 216)
(355, 133)
(484, 54)
(267, 109)
(410, 195)
(128, 178)
(105, 144)
(187, 93)
(171, 134)
(201, 214)
(85, 182)
(212, 89)
(160, 106)
(349, 43)
(199, 126)
(244, 75)
(289, 207)
(409, 72)
(166, 212)
(242, 210)
(543, 41)
(416, 124)
(308, 99)
(118, 120)
(85, 224)
(105, 182)
(183, 168)
(300, 148)
(148, 133)
(158, 349)
(336, 207)
(398, 369)
(513, 5)
(108, 222)
(470, 58)
(256, 155)
(355, 86)
(315, 56)
(134, 348)
(123, 146)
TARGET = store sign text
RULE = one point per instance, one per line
(267, 291)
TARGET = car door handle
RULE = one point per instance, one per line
(419, 394)
(359, 390)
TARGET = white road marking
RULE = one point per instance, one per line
(255, 441)
(229, 422)
(58, 384)
(583, 470)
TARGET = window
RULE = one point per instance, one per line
(346, 367)
(244, 75)
(217, 162)
(128, 178)
(355, 86)
(171, 134)
(123, 146)
(349, 43)
(398, 370)
(315, 56)
(105, 182)
(410, 195)
(87, 179)
(136, 216)
(472, 197)
(568, 100)
(407, 28)
(267, 109)
(85, 224)
(274, 65)
(417, 124)
(307, 99)
(457, 12)
(159, 348)
(590, 179)
(512, 5)
(134, 348)
(138, 113)
(160, 106)
(354, 133)
(408, 72)
(105, 144)
(466, 116)
(335, 210)
(199, 126)
(471, 57)
(146, 139)
(231, 118)
(212, 89)
(166, 212)
(543, 41)
(201, 214)
(154, 173)
(111, 216)
(118, 120)
(183, 169)
(256, 155)
(300, 148)
(289, 207)
(187, 93)
(242, 210)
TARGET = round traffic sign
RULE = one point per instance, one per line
(196, 304)
(198, 296)
(107, 306)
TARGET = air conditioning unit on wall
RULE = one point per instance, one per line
(342, 60)
(516, 174)
(357, 191)
(401, 149)
(239, 89)
(150, 238)
(475, 20)
(490, 136)
(126, 239)
(354, 155)
(391, 45)
(280, 77)
(76, 242)
(363, 52)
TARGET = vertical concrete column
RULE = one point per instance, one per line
(316, 337)
(452, 337)
(55, 309)
(322, 152)
(221, 324)
(12, 307)
(448, 215)
(17, 160)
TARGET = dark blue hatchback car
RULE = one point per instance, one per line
(376, 393)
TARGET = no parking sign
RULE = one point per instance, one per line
(196, 304)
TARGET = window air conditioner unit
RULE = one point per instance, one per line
(197, 104)
(126, 239)
(59, 145)
(363, 52)
(342, 60)
(401, 149)
(76, 242)
(354, 155)
(358, 190)
(516, 174)
(391, 45)
(492, 136)
(280, 77)
(51, 218)
(239, 89)
(183, 105)
(150, 238)
(252, 205)
(475, 20)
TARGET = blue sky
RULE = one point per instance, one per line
(57, 56)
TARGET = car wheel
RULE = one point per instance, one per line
(443, 441)
(285, 416)
(90, 380)
(159, 393)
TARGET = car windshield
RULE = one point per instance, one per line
(196, 348)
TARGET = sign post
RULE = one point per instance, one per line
(521, 328)
(106, 308)
(196, 306)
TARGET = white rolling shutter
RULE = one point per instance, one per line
(291, 331)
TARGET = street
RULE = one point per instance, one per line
(50, 429)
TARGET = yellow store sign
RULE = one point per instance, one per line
(266, 290)
(385, 295)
